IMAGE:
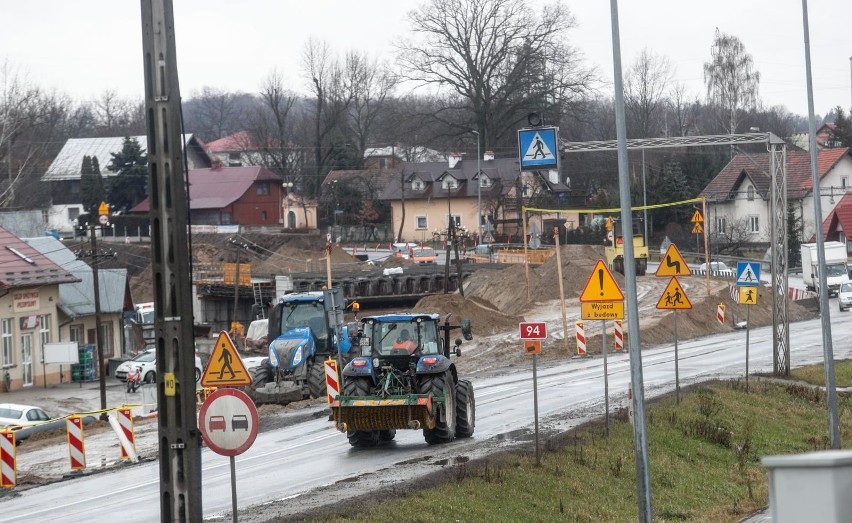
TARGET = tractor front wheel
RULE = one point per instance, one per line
(316, 379)
(441, 386)
(360, 438)
(465, 409)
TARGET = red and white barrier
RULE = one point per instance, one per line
(76, 449)
(734, 293)
(8, 467)
(332, 381)
(125, 421)
(619, 335)
(720, 313)
(581, 338)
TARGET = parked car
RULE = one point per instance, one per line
(844, 297)
(401, 250)
(717, 269)
(27, 420)
(147, 361)
(423, 255)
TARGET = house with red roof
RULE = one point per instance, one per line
(738, 198)
(29, 299)
(837, 226)
(235, 150)
(247, 196)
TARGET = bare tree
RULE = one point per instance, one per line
(216, 113)
(731, 79)
(498, 59)
(682, 109)
(370, 85)
(645, 94)
(116, 116)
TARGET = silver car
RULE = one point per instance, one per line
(844, 296)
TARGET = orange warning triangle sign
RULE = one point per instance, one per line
(673, 264)
(697, 218)
(697, 229)
(674, 297)
(601, 286)
(225, 367)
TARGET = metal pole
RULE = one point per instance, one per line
(677, 370)
(447, 260)
(606, 376)
(561, 289)
(236, 287)
(748, 328)
(640, 437)
(233, 491)
(535, 410)
(825, 315)
(98, 340)
(526, 253)
(478, 189)
(644, 199)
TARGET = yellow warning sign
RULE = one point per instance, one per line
(603, 310)
(674, 297)
(225, 367)
(697, 229)
(697, 218)
(673, 264)
(103, 209)
(748, 295)
(601, 286)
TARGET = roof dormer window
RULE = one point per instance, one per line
(417, 184)
(484, 181)
(449, 183)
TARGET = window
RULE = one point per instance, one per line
(456, 218)
(6, 341)
(421, 222)
(417, 184)
(106, 338)
(75, 333)
(73, 213)
(754, 224)
(844, 182)
(262, 188)
(720, 225)
(44, 332)
(526, 191)
(75, 188)
(234, 160)
(484, 181)
(750, 193)
(450, 183)
(383, 163)
(263, 215)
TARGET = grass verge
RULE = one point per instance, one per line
(815, 374)
(704, 464)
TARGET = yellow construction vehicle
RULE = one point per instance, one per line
(614, 250)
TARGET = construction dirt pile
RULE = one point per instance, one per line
(505, 290)
(483, 321)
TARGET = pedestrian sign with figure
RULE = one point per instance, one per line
(674, 297)
(747, 295)
(538, 148)
(225, 367)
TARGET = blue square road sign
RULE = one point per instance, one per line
(538, 148)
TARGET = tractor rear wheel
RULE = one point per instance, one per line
(316, 379)
(441, 386)
(465, 409)
(360, 438)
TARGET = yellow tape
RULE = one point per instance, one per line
(618, 209)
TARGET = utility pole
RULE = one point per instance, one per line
(179, 437)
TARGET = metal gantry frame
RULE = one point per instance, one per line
(777, 208)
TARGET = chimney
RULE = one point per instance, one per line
(489, 155)
(216, 164)
(454, 158)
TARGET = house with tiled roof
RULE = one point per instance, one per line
(738, 198)
(29, 299)
(435, 192)
(837, 226)
(235, 150)
(63, 174)
(246, 196)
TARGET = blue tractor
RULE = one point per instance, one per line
(404, 379)
(300, 341)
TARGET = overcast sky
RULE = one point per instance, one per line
(83, 47)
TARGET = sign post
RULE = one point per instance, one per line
(748, 280)
(532, 334)
(228, 422)
(674, 298)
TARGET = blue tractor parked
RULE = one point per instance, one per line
(404, 379)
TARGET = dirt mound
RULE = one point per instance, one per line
(505, 290)
(397, 261)
(483, 321)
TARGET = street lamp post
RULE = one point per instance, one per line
(478, 189)
(285, 189)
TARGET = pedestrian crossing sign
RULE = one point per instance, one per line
(674, 297)
(748, 274)
(225, 368)
(538, 148)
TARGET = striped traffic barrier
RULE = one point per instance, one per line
(125, 421)
(76, 449)
(619, 335)
(332, 382)
(720, 313)
(8, 467)
(581, 338)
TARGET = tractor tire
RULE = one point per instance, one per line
(465, 409)
(262, 376)
(441, 386)
(387, 435)
(316, 379)
(360, 438)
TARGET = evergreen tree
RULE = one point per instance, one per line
(842, 131)
(92, 189)
(130, 186)
(794, 235)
